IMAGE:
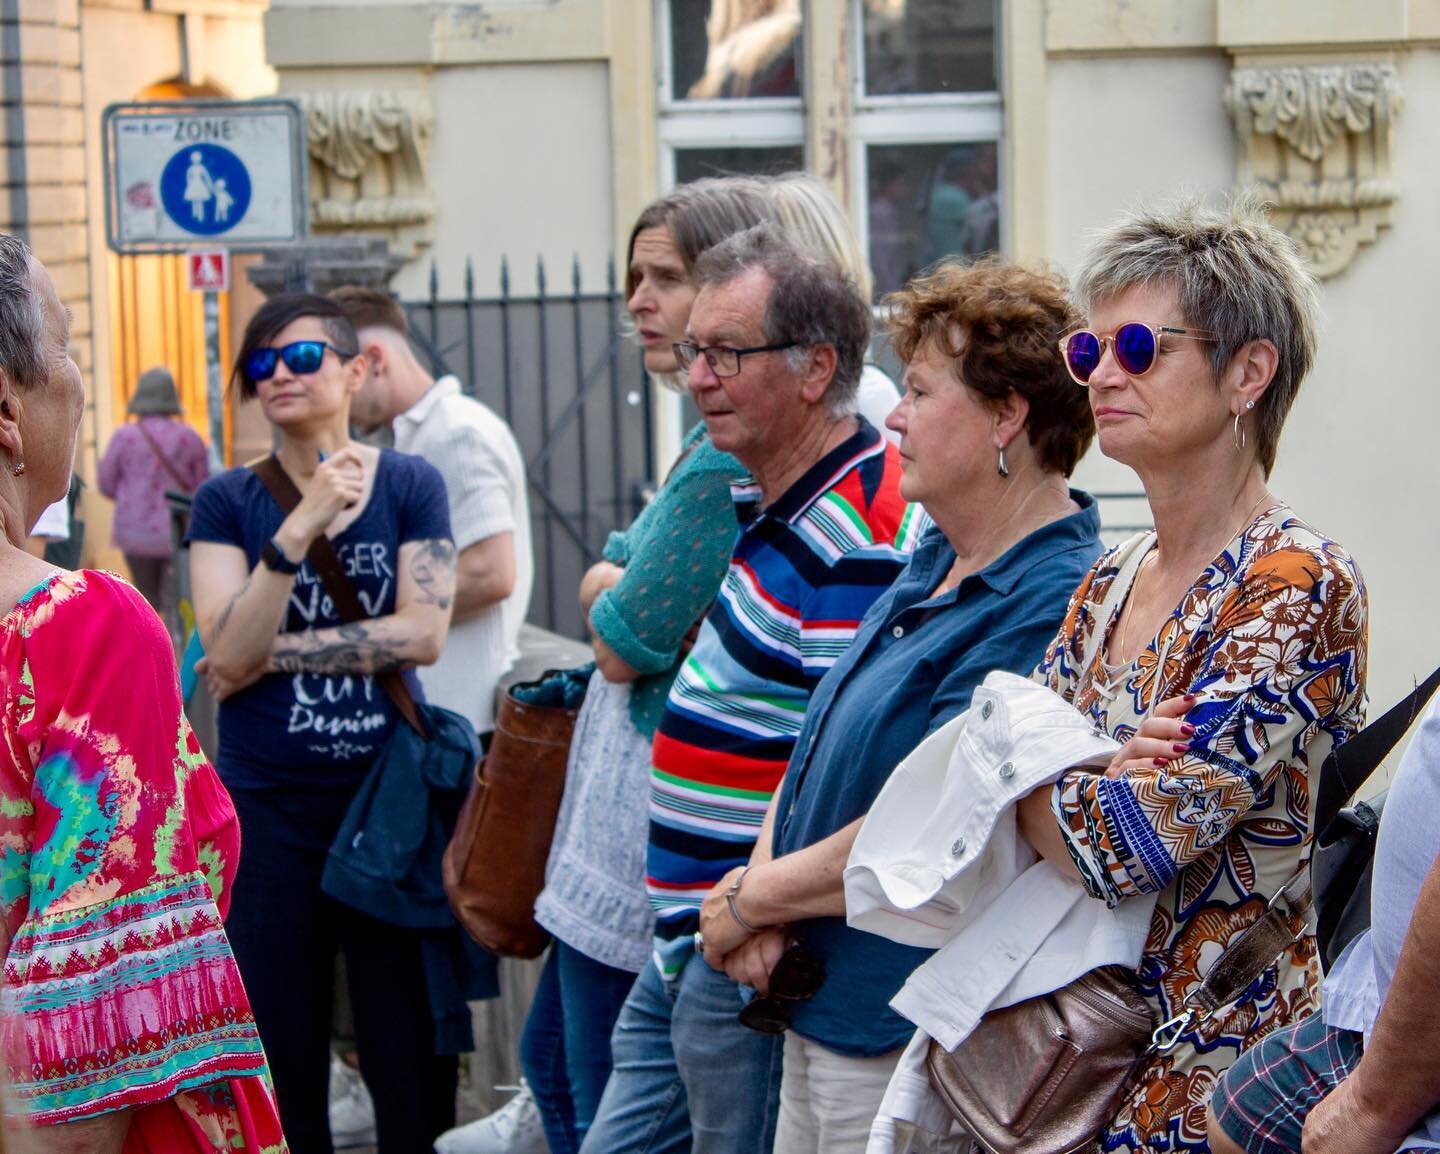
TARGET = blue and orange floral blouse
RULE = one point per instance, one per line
(1272, 640)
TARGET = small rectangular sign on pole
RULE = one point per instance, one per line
(208, 270)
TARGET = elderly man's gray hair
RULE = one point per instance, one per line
(22, 315)
(810, 303)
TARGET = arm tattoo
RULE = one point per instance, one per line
(433, 571)
(354, 650)
(224, 618)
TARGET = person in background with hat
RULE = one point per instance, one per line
(155, 453)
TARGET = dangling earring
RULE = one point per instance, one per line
(1238, 433)
(18, 469)
(1003, 469)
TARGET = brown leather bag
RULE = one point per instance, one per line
(495, 863)
(1045, 1075)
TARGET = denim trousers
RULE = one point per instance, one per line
(565, 1048)
(286, 935)
(688, 1076)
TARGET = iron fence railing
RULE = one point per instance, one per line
(574, 391)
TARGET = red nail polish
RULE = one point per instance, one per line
(1187, 729)
(1189, 697)
(1161, 762)
(1179, 748)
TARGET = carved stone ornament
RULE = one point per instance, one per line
(369, 165)
(1315, 140)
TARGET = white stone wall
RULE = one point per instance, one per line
(520, 166)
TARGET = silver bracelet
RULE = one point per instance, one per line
(730, 896)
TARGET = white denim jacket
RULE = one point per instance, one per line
(940, 862)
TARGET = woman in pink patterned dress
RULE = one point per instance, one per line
(123, 1020)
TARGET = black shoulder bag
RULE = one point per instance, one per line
(1344, 850)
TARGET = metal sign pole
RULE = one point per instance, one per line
(215, 401)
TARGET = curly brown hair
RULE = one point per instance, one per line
(1001, 325)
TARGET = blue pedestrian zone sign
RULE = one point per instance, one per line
(212, 172)
(205, 189)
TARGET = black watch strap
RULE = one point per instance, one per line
(273, 558)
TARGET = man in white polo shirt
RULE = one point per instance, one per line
(484, 474)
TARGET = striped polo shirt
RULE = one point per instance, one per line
(804, 571)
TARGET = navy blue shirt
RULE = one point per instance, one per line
(315, 728)
(911, 668)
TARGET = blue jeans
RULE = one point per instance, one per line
(688, 1075)
(565, 1048)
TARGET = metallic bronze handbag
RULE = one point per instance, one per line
(1044, 1076)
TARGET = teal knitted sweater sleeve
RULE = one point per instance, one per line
(675, 554)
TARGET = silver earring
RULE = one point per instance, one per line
(1003, 469)
(18, 469)
(1238, 435)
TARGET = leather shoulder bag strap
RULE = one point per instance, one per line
(327, 563)
(1250, 955)
(180, 482)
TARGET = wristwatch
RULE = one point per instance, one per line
(274, 559)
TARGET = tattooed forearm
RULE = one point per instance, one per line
(432, 568)
(224, 618)
(353, 648)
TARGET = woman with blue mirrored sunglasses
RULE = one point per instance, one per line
(303, 717)
(299, 357)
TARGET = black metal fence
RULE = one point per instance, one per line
(574, 391)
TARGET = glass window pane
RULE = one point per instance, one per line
(928, 201)
(915, 46)
(734, 49)
(694, 163)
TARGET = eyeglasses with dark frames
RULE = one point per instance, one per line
(1136, 345)
(797, 977)
(723, 360)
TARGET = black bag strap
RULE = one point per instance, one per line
(1350, 765)
(327, 563)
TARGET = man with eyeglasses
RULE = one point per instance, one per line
(775, 350)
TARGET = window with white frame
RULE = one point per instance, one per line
(730, 87)
(926, 130)
(924, 123)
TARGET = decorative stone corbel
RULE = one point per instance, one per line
(1315, 139)
(369, 164)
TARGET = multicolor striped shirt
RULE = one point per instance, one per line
(803, 573)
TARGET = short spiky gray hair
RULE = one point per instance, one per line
(22, 316)
(1234, 273)
(811, 303)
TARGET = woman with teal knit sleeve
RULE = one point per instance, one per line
(656, 582)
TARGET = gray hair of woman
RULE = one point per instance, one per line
(1234, 274)
(22, 315)
(810, 215)
(811, 303)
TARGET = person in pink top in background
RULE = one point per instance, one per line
(155, 453)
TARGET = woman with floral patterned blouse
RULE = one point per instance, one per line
(124, 1025)
(1235, 633)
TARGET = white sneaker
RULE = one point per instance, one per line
(352, 1113)
(515, 1128)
